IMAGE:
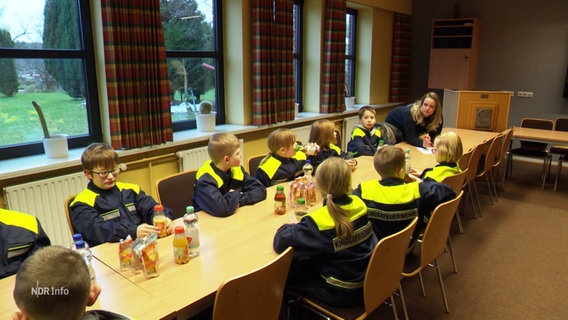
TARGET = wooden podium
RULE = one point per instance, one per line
(476, 110)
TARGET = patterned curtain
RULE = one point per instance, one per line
(136, 73)
(332, 90)
(400, 68)
(273, 61)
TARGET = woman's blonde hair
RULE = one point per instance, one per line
(333, 180)
(322, 133)
(449, 147)
(435, 120)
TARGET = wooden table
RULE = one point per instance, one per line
(118, 295)
(540, 135)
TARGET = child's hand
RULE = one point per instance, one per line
(169, 226)
(426, 142)
(352, 163)
(414, 172)
(411, 177)
(145, 229)
(19, 315)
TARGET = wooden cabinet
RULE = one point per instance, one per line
(454, 54)
(477, 110)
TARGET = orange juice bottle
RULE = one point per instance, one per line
(160, 220)
(181, 246)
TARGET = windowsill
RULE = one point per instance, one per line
(35, 164)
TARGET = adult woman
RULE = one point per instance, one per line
(418, 123)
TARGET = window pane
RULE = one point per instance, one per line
(192, 80)
(188, 25)
(24, 20)
(63, 112)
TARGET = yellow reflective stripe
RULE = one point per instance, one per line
(128, 186)
(86, 196)
(357, 132)
(324, 221)
(237, 173)
(441, 172)
(334, 147)
(19, 219)
(300, 156)
(343, 284)
(270, 166)
(400, 194)
(206, 168)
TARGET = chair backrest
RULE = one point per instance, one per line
(505, 145)
(176, 191)
(254, 162)
(464, 159)
(456, 181)
(491, 157)
(68, 213)
(385, 267)
(537, 124)
(437, 230)
(474, 160)
(561, 124)
(255, 295)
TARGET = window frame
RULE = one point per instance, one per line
(298, 54)
(87, 56)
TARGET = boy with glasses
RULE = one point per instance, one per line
(109, 210)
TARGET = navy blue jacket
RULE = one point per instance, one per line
(401, 118)
(277, 169)
(111, 215)
(364, 142)
(221, 193)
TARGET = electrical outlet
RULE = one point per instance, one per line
(525, 94)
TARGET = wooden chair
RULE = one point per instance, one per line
(532, 149)
(432, 246)
(456, 182)
(489, 159)
(68, 202)
(254, 162)
(560, 124)
(502, 156)
(472, 168)
(464, 159)
(176, 191)
(255, 295)
(382, 278)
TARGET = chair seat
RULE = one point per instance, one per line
(559, 150)
(529, 152)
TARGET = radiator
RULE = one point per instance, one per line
(193, 159)
(302, 133)
(348, 125)
(45, 199)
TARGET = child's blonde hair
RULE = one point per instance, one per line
(53, 267)
(435, 119)
(221, 145)
(322, 133)
(333, 180)
(388, 161)
(279, 138)
(99, 154)
(449, 147)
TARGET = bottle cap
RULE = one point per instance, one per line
(189, 209)
(158, 207)
(301, 201)
(309, 161)
(179, 229)
(80, 244)
(77, 237)
(280, 188)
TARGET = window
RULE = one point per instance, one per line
(298, 48)
(350, 33)
(192, 33)
(47, 57)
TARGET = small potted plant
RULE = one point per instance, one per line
(54, 145)
(205, 118)
(349, 100)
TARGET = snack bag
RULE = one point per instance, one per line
(136, 262)
(149, 253)
(125, 253)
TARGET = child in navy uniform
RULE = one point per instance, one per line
(322, 133)
(109, 210)
(222, 183)
(332, 245)
(448, 150)
(283, 163)
(365, 136)
(393, 203)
